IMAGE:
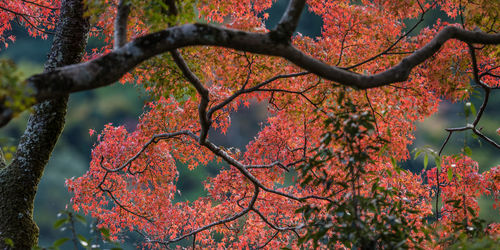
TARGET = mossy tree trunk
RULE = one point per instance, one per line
(19, 180)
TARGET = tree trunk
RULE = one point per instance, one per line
(19, 180)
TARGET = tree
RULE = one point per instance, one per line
(342, 109)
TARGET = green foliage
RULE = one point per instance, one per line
(155, 13)
(482, 243)
(14, 92)
(67, 220)
(471, 234)
(8, 152)
(427, 152)
(158, 13)
(169, 82)
(358, 221)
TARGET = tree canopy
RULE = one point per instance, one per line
(323, 171)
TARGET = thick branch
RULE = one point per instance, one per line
(289, 21)
(122, 12)
(109, 68)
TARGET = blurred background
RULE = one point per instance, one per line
(122, 104)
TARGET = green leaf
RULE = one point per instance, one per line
(81, 219)
(389, 173)
(393, 162)
(472, 108)
(426, 161)
(417, 153)
(59, 242)
(60, 222)
(450, 174)
(83, 240)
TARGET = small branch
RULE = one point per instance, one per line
(249, 74)
(488, 72)
(219, 222)
(445, 142)
(269, 240)
(301, 93)
(277, 228)
(386, 51)
(252, 89)
(26, 17)
(194, 241)
(73, 231)
(154, 139)
(487, 139)
(118, 203)
(36, 27)
(487, 91)
(486, 88)
(438, 193)
(40, 5)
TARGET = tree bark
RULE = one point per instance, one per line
(19, 180)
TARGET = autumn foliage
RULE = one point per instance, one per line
(341, 146)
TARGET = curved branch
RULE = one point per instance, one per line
(154, 139)
(205, 121)
(109, 68)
